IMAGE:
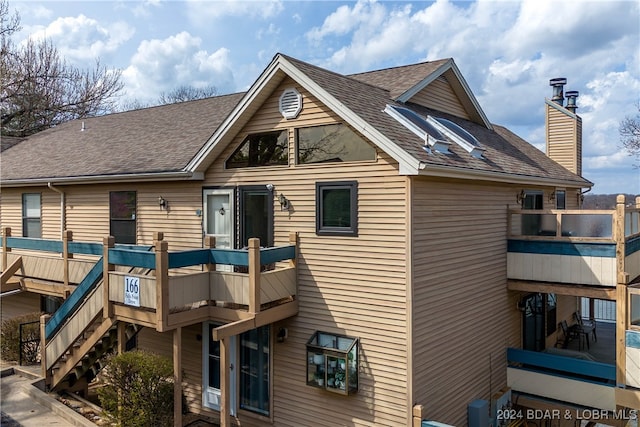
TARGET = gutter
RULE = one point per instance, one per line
(63, 211)
(107, 179)
(465, 173)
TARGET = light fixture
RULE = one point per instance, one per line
(284, 202)
(269, 187)
(162, 202)
(520, 197)
(552, 196)
(283, 334)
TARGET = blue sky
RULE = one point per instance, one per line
(506, 50)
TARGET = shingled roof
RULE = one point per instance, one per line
(181, 138)
(147, 141)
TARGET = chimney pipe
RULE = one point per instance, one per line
(558, 83)
(571, 100)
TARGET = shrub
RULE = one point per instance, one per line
(10, 338)
(138, 389)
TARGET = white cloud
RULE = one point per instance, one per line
(80, 38)
(145, 8)
(162, 65)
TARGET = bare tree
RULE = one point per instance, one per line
(186, 93)
(39, 90)
(630, 134)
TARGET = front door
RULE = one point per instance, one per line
(256, 215)
(219, 218)
(211, 370)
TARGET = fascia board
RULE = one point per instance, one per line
(107, 179)
(407, 162)
(465, 173)
(449, 65)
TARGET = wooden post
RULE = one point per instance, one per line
(107, 243)
(6, 232)
(621, 293)
(209, 243)
(122, 337)
(254, 275)
(67, 236)
(177, 377)
(162, 281)
(417, 415)
(46, 373)
(558, 225)
(293, 240)
(225, 382)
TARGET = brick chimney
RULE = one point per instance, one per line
(563, 127)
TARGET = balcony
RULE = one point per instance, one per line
(583, 247)
(172, 289)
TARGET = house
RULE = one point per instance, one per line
(322, 250)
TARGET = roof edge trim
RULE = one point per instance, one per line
(104, 179)
(562, 109)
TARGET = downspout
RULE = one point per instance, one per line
(63, 216)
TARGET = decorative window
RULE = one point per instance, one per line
(264, 149)
(337, 208)
(332, 143)
(255, 381)
(332, 362)
(31, 215)
(122, 215)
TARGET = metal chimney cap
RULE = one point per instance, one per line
(558, 81)
(572, 94)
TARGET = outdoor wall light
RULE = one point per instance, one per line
(552, 196)
(162, 202)
(284, 202)
(520, 197)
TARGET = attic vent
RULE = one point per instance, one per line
(290, 103)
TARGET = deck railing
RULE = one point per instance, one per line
(599, 247)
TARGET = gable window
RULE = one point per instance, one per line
(122, 216)
(331, 143)
(337, 208)
(263, 149)
(255, 381)
(31, 215)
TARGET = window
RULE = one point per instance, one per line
(122, 214)
(332, 143)
(256, 215)
(561, 199)
(532, 200)
(337, 208)
(255, 384)
(31, 211)
(264, 149)
(433, 138)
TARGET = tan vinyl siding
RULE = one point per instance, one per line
(349, 285)
(16, 305)
(12, 210)
(564, 139)
(439, 96)
(463, 317)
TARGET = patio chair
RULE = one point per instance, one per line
(568, 333)
(588, 325)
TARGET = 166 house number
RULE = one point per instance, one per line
(132, 291)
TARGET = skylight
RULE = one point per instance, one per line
(457, 134)
(419, 125)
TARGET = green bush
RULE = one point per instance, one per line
(10, 339)
(138, 389)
